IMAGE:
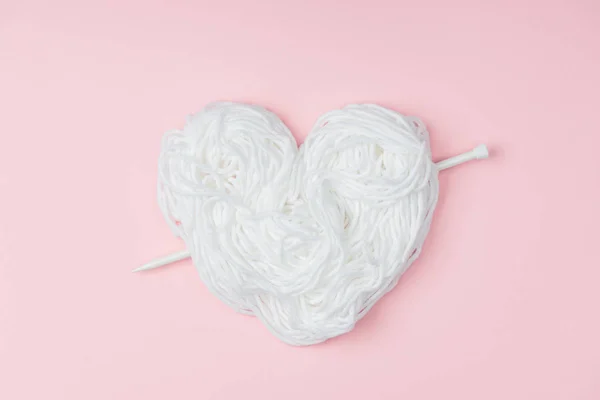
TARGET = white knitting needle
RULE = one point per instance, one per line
(168, 259)
(478, 153)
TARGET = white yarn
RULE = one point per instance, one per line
(307, 239)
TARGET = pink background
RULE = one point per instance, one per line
(503, 304)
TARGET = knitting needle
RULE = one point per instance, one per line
(478, 153)
(168, 259)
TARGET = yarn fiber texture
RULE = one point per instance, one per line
(305, 238)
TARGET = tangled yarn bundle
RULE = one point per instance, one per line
(307, 239)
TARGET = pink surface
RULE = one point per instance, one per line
(503, 304)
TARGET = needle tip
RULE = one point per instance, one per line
(159, 262)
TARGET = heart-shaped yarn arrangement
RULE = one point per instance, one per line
(307, 239)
